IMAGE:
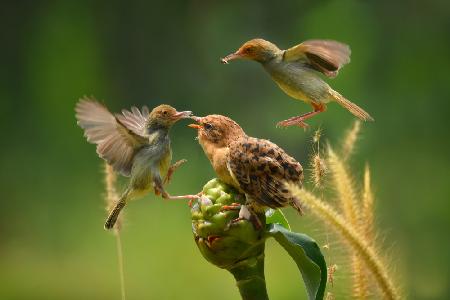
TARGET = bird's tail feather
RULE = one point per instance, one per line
(351, 107)
(114, 214)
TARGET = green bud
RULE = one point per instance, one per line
(221, 241)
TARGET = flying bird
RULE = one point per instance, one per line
(256, 167)
(297, 72)
(135, 143)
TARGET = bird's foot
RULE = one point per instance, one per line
(300, 120)
(232, 206)
(294, 121)
(244, 214)
(172, 169)
(191, 201)
(234, 222)
(254, 220)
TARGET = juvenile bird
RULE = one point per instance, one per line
(296, 71)
(136, 144)
(256, 167)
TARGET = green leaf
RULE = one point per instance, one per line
(276, 216)
(308, 257)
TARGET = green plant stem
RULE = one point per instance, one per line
(250, 280)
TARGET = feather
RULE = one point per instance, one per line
(325, 56)
(262, 168)
(117, 137)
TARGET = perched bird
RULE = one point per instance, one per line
(256, 167)
(296, 71)
(136, 144)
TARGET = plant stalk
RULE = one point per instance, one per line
(250, 280)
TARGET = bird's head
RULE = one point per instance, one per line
(165, 116)
(257, 49)
(216, 130)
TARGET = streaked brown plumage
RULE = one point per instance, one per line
(256, 167)
(135, 143)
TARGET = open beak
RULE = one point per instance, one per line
(182, 115)
(231, 56)
(196, 126)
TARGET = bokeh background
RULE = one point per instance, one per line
(52, 243)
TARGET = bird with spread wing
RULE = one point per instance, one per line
(296, 71)
(136, 144)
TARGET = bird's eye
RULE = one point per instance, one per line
(207, 126)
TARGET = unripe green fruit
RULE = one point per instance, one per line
(220, 241)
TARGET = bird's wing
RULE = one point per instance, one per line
(136, 120)
(262, 169)
(116, 140)
(325, 56)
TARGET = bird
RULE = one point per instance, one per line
(135, 143)
(256, 167)
(297, 72)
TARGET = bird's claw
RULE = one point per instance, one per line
(234, 222)
(199, 195)
(172, 169)
(232, 206)
(289, 122)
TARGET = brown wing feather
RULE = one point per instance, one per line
(262, 168)
(325, 56)
(135, 120)
(116, 142)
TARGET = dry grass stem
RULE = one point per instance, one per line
(110, 184)
(319, 170)
(360, 283)
(331, 270)
(367, 207)
(329, 296)
(350, 140)
(111, 199)
(344, 187)
(317, 163)
(353, 237)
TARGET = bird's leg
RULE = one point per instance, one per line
(244, 214)
(167, 196)
(299, 120)
(199, 195)
(232, 206)
(172, 169)
(159, 190)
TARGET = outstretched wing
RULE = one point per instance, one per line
(325, 56)
(135, 120)
(117, 137)
(262, 169)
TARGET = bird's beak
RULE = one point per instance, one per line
(182, 115)
(196, 126)
(231, 56)
(196, 119)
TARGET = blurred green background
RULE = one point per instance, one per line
(52, 242)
